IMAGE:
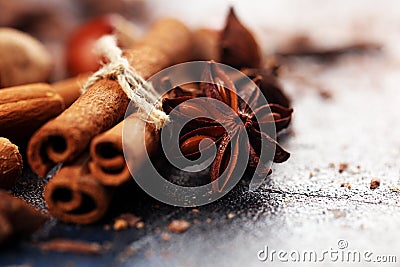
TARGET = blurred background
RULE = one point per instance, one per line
(275, 22)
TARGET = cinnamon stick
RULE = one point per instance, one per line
(108, 164)
(104, 104)
(17, 218)
(10, 163)
(73, 195)
(69, 89)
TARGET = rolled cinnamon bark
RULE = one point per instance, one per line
(73, 195)
(69, 89)
(108, 164)
(104, 104)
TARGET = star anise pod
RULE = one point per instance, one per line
(247, 118)
(237, 46)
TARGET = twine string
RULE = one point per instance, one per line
(132, 83)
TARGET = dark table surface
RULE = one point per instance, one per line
(301, 207)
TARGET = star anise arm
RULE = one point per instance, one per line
(273, 113)
(220, 86)
(190, 147)
(168, 104)
(189, 143)
(201, 112)
(265, 142)
(218, 167)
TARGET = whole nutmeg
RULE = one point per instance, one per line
(23, 59)
(80, 54)
(10, 163)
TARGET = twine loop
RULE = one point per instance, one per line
(132, 83)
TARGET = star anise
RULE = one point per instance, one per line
(248, 118)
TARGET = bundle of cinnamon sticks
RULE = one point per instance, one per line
(87, 184)
(84, 131)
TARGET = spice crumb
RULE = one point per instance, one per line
(331, 165)
(375, 183)
(120, 224)
(343, 167)
(140, 225)
(195, 210)
(165, 236)
(346, 184)
(325, 94)
(230, 216)
(124, 221)
(178, 226)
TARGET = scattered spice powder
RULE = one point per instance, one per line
(375, 183)
(178, 226)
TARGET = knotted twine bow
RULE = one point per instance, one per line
(135, 87)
